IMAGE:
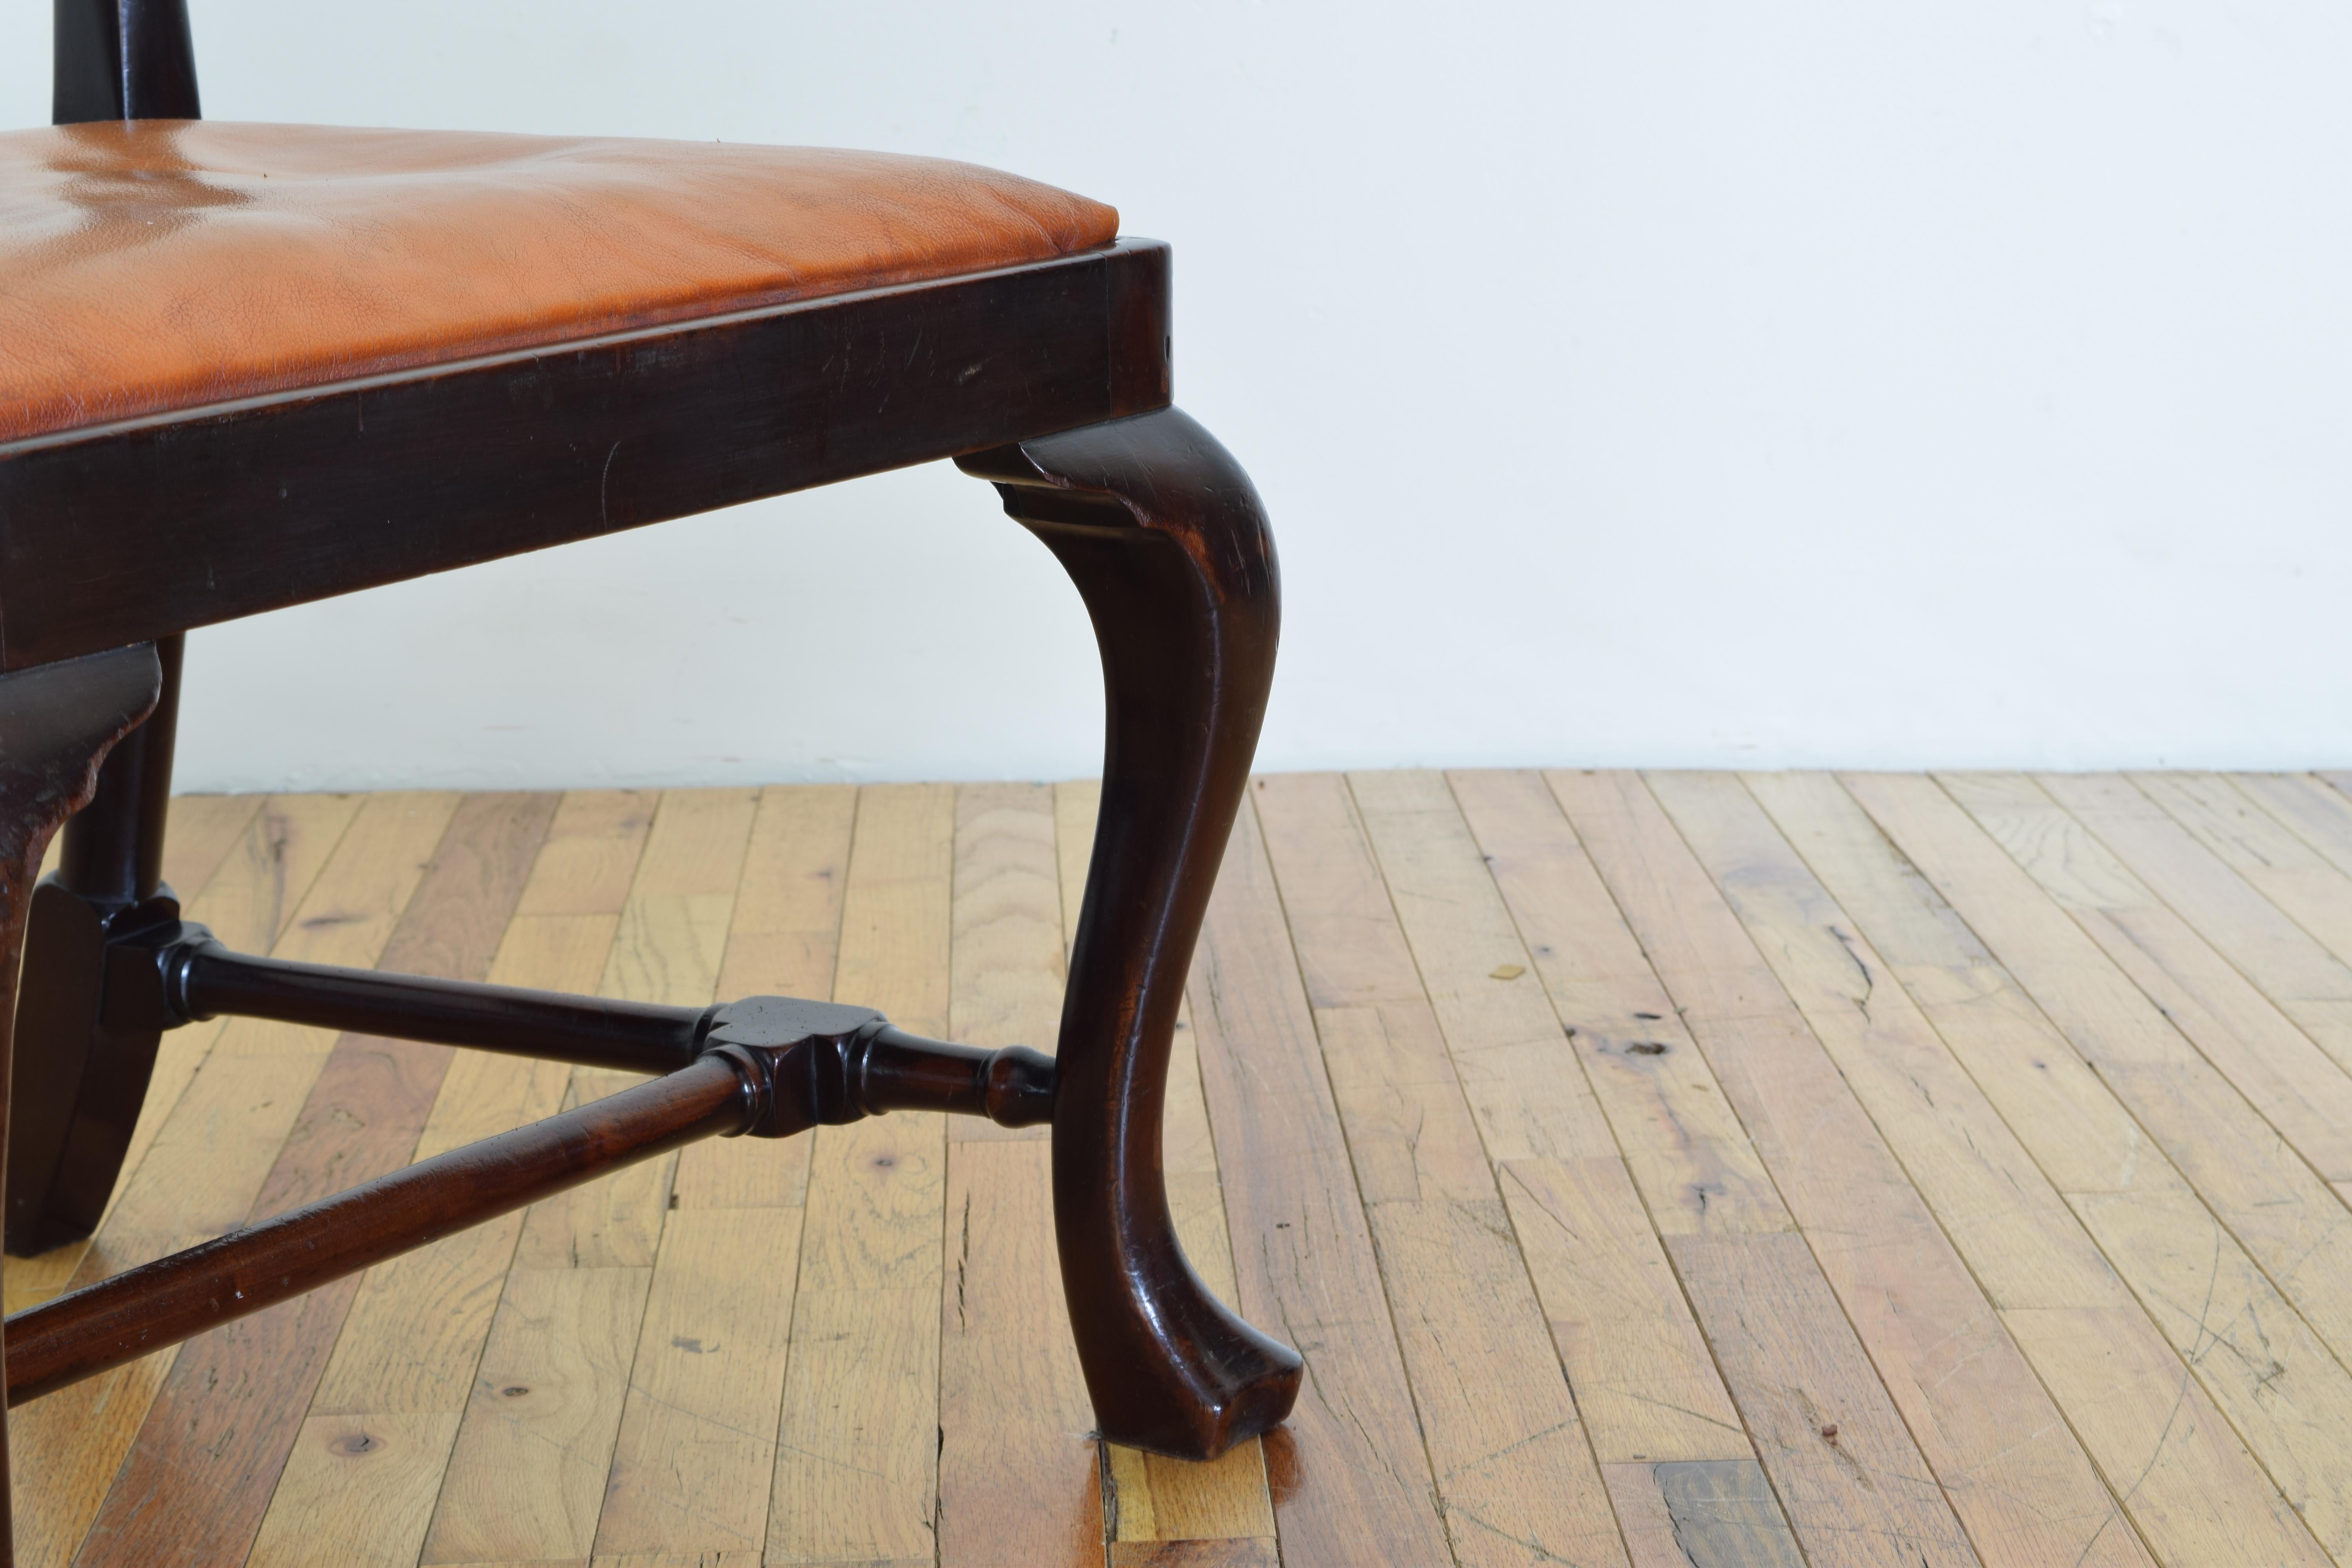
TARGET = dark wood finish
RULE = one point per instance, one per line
(1159, 529)
(1050, 379)
(775, 1067)
(890, 1070)
(83, 1069)
(71, 1121)
(85, 1332)
(180, 972)
(1167, 541)
(206, 1459)
(137, 531)
(122, 60)
(203, 978)
(56, 726)
(113, 849)
(826, 1063)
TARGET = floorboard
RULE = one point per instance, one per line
(858, 1440)
(1515, 1471)
(2016, 1475)
(2029, 1251)
(1680, 1171)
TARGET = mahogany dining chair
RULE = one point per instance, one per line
(244, 366)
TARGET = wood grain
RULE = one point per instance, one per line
(2168, 1455)
(697, 1451)
(670, 944)
(782, 940)
(417, 1325)
(1222, 1553)
(2185, 923)
(1642, 1375)
(1643, 1379)
(1835, 1447)
(200, 831)
(2319, 815)
(697, 1446)
(1351, 1479)
(1077, 808)
(526, 1477)
(403, 1368)
(2282, 1213)
(591, 856)
(1515, 1471)
(1020, 1479)
(203, 831)
(1965, 1389)
(2292, 1075)
(2195, 1495)
(205, 1168)
(1681, 1141)
(198, 1179)
(858, 1448)
(198, 1479)
(249, 902)
(356, 1490)
(2269, 857)
(70, 1444)
(519, 1478)
(1707, 1514)
(2024, 1243)
(1007, 951)
(1150, 1497)
(743, 1360)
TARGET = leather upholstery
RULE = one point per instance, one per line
(163, 265)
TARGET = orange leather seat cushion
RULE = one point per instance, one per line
(163, 265)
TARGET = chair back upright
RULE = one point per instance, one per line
(122, 60)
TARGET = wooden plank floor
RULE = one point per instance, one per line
(1670, 1169)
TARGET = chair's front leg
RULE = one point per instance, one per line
(57, 724)
(1167, 542)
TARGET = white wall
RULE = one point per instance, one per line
(1707, 383)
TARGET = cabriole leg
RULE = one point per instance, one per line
(57, 724)
(1167, 541)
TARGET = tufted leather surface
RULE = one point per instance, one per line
(163, 265)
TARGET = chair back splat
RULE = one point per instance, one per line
(122, 60)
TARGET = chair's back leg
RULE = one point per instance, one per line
(55, 725)
(70, 1122)
(81, 1077)
(121, 59)
(1164, 537)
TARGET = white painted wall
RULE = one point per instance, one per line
(1709, 383)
